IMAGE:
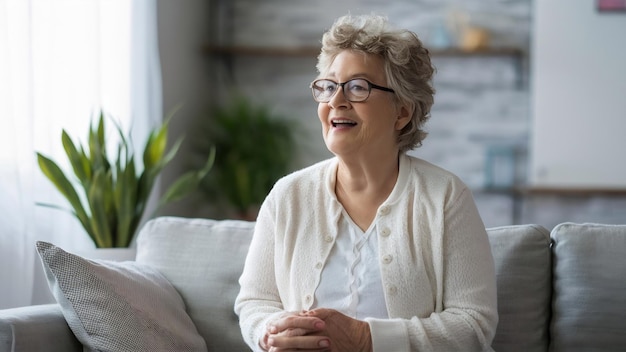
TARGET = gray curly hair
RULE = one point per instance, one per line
(406, 63)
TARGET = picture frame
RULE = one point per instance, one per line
(611, 6)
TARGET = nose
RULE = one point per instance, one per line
(338, 99)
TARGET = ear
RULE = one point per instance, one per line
(405, 112)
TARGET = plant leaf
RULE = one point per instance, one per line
(52, 171)
(170, 154)
(155, 147)
(100, 224)
(81, 169)
(126, 199)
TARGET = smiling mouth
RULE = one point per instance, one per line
(343, 123)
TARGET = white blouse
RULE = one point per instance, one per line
(351, 281)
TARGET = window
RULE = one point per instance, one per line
(60, 63)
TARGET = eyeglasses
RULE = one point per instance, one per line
(358, 89)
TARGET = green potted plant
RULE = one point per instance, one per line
(109, 197)
(254, 148)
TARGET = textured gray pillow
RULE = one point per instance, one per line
(118, 306)
(523, 268)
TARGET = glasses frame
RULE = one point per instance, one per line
(370, 85)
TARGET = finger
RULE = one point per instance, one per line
(274, 349)
(294, 332)
(296, 322)
(284, 343)
(321, 313)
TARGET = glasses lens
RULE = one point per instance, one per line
(323, 90)
(357, 90)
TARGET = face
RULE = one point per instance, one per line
(361, 129)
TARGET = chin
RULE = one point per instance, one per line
(334, 148)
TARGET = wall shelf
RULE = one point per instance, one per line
(226, 53)
(584, 192)
(311, 51)
(520, 194)
(261, 51)
(557, 191)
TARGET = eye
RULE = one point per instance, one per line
(358, 86)
(327, 86)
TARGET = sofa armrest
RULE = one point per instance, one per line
(36, 328)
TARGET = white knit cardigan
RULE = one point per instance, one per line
(436, 264)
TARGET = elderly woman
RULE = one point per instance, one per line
(371, 250)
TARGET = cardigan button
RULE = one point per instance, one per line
(387, 258)
(319, 265)
(384, 210)
(328, 238)
(385, 232)
(308, 299)
(391, 289)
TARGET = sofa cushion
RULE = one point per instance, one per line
(203, 259)
(589, 302)
(118, 306)
(523, 269)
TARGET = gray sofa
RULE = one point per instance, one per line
(559, 290)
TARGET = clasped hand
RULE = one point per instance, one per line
(317, 330)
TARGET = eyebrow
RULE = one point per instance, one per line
(353, 76)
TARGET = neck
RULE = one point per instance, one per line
(362, 188)
(371, 177)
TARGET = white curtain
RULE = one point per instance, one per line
(60, 63)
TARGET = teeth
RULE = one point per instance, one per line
(342, 122)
